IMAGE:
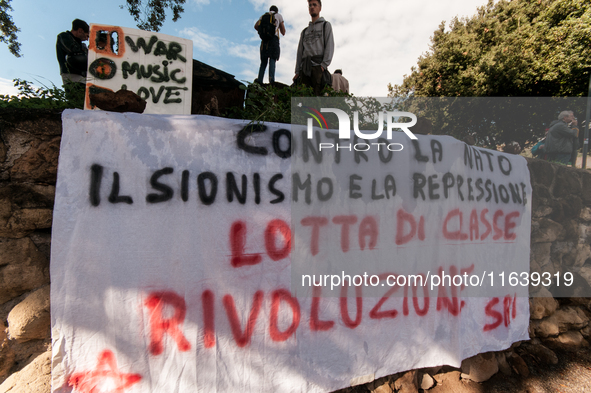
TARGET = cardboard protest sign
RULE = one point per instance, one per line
(172, 249)
(155, 66)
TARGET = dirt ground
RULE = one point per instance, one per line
(572, 374)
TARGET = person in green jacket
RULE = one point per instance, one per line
(561, 138)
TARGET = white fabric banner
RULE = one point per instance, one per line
(168, 276)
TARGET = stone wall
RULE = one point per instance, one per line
(29, 148)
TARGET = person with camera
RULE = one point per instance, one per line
(560, 141)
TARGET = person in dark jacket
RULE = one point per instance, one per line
(270, 50)
(72, 56)
(561, 136)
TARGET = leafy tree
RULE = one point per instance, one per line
(8, 30)
(151, 14)
(491, 121)
(511, 48)
(519, 48)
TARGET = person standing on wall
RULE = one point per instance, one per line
(72, 56)
(315, 51)
(339, 82)
(269, 26)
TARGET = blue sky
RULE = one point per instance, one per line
(377, 41)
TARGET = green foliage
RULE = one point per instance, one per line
(509, 48)
(492, 121)
(41, 97)
(519, 48)
(151, 15)
(8, 30)
(273, 104)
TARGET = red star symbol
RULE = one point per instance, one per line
(105, 378)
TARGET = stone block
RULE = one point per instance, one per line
(542, 172)
(585, 214)
(18, 143)
(7, 356)
(571, 230)
(427, 382)
(480, 368)
(578, 254)
(544, 354)
(540, 253)
(544, 328)
(570, 339)
(24, 221)
(34, 378)
(534, 267)
(584, 312)
(543, 196)
(584, 233)
(547, 231)
(504, 366)
(557, 206)
(566, 182)
(24, 268)
(572, 206)
(561, 251)
(448, 380)
(3, 151)
(30, 196)
(561, 321)
(381, 386)
(33, 121)
(543, 305)
(24, 208)
(567, 208)
(581, 302)
(408, 383)
(30, 319)
(585, 272)
(518, 365)
(550, 269)
(541, 211)
(39, 163)
(568, 318)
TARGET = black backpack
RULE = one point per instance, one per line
(267, 26)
